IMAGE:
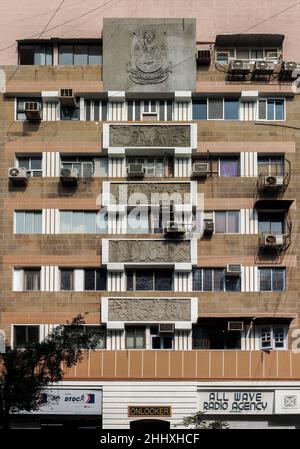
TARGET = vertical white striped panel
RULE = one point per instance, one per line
(249, 279)
(249, 164)
(50, 221)
(116, 167)
(45, 330)
(116, 111)
(50, 164)
(50, 111)
(181, 281)
(49, 278)
(182, 167)
(182, 111)
(82, 109)
(117, 223)
(248, 110)
(249, 221)
(182, 340)
(116, 281)
(115, 340)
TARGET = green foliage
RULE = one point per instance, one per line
(24, 373)
(197, 421)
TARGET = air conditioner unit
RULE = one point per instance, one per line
(66, 97)
(69, 175)
(173, 227)
(274, 181)
(204, 57)
(209, 226)
(135, 170)
(233, 269)
(289, 66)
(235, 326)
(18, 174)
(264, 66)
(166, 328)
(201, 169)
(273, 240)
(32, 110)
(239, 66)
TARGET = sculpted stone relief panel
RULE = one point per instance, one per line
(149, 190)
(149, 136)
(149, 309)
(145, 251)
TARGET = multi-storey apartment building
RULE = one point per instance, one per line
(149, 182)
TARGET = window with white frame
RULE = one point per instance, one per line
(95, 110)
(83, 165)
(28, 222)
(33, 164)
(135, 337)
(271, 109)
(97, 333)
(273, 336)
(216, 109)
(272, 279)
(80, 54)
(270, 165)
(227, 222)
(161, 110)
(82, 222)
(95, 279)
(66, 279)
(225, 55)
(154, 166)
(215, 280)
(24, 335)
(149, 279)
(160, 341)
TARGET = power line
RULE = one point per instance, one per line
(51, 18)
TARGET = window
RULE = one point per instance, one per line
(36, 54)
(273, 337)
(159, 341)
(95, 279)
(138, 222)
(223, 55)
(154, 166)
(157, 280)
(95, 110)
(81, 222)
(33, 164)
(28, 222)
(97, 332)
(20, 115)
(66, 279)
(83, 165)
(80, 55)
(32, 279)
(215, 279)
(229, 166)
(271, 222)
(271, 110)
(135, 337)
(214, 334)
(227, 222)
(70, 112)
(272, 279)
(25, 335)
(149, 107)
(216, 109)
(270, 165)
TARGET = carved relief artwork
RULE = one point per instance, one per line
(149, 251)
(149, 62)
(149, 309)
(149, 190)
(149, 135)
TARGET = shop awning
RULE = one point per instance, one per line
(273, 204)
(249, 40)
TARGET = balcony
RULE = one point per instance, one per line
(186, 365)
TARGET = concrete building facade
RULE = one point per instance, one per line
(149, 182)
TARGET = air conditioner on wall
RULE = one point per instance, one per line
(166, 328)
(239, 65)
(174, 227)
(201, 169)
(233, 269)
(135, 170)
(235, 326)
(264, 66)
(69, 175)
(67, 97)
(32, 110)
(273, 240)
(17, 174)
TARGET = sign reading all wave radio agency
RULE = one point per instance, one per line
(70, 402)
(237, 402)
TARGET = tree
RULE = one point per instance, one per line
(24, 373)
(197, 421)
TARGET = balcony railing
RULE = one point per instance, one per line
(187, 365)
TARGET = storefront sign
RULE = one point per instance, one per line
(150, 410)
(236, 402)
(70, 402)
